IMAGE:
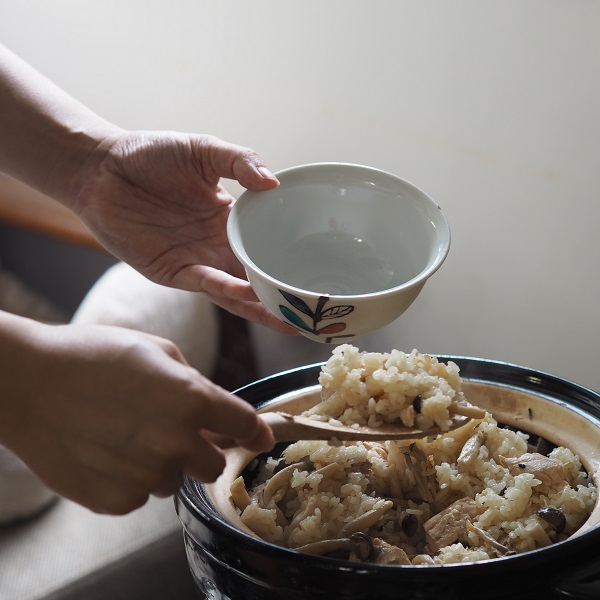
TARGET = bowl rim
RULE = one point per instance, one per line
(441, 224)
(542, 383)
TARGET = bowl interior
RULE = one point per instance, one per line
(339, 229)
(539, 415)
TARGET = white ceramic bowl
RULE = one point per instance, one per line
(338, 250)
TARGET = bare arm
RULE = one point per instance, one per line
(153, 199)
(47, 136)
(106, 416)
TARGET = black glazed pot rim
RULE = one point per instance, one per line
(262, 392)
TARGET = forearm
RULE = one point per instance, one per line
(47, 139)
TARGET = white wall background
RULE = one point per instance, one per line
(493, 108)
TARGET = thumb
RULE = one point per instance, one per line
(237, 162)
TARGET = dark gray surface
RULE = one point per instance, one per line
(61, 272)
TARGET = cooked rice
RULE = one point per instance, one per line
(368, 388)
(333, 485)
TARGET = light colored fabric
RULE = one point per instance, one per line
(22, 494)
(68, 542)
(124, 297)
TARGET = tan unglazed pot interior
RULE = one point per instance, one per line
(556, 422)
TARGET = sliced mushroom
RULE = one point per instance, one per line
(407, 416)
(540, 536)
(239, 494)
(470, 450)
(427, 462)
(277, 485)
(280, 518)
(359, 545)
(330, 470)
(486, 538)
(465, 409)
(424, 490)
(554, 516)
(309, 508)
(367, 519)
(324, 547)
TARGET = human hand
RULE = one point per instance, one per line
(113, 415)
(155, 201)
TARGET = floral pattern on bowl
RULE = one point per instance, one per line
(331, 331)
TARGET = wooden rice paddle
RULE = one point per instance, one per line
(291, 428)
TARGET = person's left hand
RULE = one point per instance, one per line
(155, 201)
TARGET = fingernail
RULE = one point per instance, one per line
(267, 174)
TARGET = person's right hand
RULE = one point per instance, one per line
(107, 416)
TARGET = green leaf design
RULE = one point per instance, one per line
(293, 318)
(337, 312)
(297, 303)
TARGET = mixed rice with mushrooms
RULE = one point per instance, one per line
(475, 493)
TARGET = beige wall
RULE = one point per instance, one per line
(491, 107)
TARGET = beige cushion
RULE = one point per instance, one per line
(125, 298)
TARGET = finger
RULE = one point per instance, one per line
(219, 283)
(233, 295)
(255, 312)
(206, 462)
(222, 441)
(238, 297)
(226, 414)
(236, 162)
(262, 442)
(104, 494)
(168, 347)
(113, 500)
(250, 171)
(169, 485)
(202, 278)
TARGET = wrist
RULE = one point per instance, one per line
(82, 151)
